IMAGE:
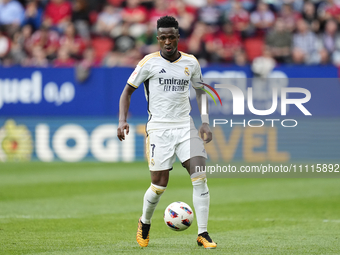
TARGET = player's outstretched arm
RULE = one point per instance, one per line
(204, 129)
(124, 104)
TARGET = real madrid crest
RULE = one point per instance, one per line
(186, 71)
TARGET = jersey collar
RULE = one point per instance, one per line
(180, 55)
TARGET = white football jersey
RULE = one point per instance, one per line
(166, 86)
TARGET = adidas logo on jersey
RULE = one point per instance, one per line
(162, 71)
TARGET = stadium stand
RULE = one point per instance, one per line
(101, 24)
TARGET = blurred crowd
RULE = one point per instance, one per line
(90, 33)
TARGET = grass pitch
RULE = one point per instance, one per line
(93, 208)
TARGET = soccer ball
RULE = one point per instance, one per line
(178, 216)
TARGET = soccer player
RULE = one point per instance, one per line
(170, 129)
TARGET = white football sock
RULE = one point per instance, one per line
(201, 200)
(151, 199)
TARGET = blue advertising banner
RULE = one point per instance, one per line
(56, 92)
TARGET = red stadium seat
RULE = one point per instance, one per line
(253, 47)
(102, 45)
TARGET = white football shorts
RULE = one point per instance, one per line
(162, 146)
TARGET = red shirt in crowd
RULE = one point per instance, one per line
(45, 39)
(128, 13)
(225, 40)
(156, 14)
(333, 11)
(57, 12)
(76, 41)
(228, 42)
(239, 19)
(70, 62)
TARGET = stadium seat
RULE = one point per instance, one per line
(253, 47)
(102, 45)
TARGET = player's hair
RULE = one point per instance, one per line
(167, 21)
